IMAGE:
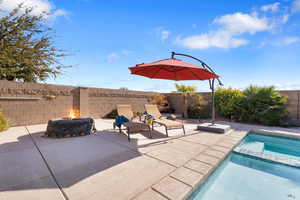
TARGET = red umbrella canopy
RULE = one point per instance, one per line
(172, 69)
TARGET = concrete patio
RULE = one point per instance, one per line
(106, 166)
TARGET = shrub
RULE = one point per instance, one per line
(226, 101)
(200, 110)
(262, 105)
(3, 122)
(112, 114)
(159, 99)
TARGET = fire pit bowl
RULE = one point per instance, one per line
(64, 127)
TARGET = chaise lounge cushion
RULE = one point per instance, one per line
(168, 123)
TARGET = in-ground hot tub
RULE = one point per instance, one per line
(66, 127)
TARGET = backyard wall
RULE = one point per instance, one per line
(293, 101)
(33, 103)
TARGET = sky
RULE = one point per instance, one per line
(246, 42)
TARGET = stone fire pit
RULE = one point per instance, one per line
(64, 127)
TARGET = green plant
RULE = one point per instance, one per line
(227, 100)
(263, 105)
(27, 49)
(3, 122)
(112, 114)
(185, 88)
(200, 110)
(186, 91)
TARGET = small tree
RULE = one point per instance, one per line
(27, 52)
(227, 100)
(185, 90)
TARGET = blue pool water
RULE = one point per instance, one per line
(277, 146)
(242, 177)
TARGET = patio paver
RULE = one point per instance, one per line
(187, 176)
(172, 188)
(215, 153)
(150, 195)
(170, 155)
(198, 166)
(203, 138)
(213, 161)
(220, 148)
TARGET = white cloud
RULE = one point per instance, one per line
(270, 7)
(60, 12)
(287, 86)
(126, 52)
(40, 7)
(162, 33)
(295, 6)
(112, 57)
(289, 40)
(284, 18)
(231, 26)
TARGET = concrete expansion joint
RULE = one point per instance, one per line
(47, 165)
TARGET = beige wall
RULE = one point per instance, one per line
(102, 101)
(33, 103)
(176, 101)
(293, 102)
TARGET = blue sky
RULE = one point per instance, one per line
(245, 42)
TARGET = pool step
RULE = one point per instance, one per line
(269, 157)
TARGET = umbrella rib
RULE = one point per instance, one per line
(156, 72)
(175, 74)
(139, 70)
(194, 74)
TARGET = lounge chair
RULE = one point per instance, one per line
(126, 111)
(158, 119)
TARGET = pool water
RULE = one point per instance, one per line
(277, 146)
(241, 177)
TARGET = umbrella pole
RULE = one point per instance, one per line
(213, 114)
(211, 83)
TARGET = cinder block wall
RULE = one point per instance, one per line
(293, 102)
(33, 103)
(176, 100)
(103, 101)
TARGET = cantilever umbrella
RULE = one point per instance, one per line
(178, 70)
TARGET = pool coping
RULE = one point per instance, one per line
(276, 133)
(176, 187)
(221, 160)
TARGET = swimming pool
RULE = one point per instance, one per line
(249, 172)
(273, 145)
(242, 177)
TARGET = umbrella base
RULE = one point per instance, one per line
(215, 128)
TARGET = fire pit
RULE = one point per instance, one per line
(70, 127)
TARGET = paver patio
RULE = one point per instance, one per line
(106, 166)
